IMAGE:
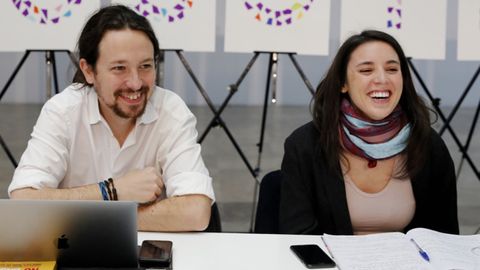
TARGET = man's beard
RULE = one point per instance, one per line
(134, 110)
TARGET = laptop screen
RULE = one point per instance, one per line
(73, 233)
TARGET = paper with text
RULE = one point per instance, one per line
(395, 250)
(375, 251)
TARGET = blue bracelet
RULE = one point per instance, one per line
(103, 189)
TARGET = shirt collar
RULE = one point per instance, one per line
(93, 109)
(94, 116)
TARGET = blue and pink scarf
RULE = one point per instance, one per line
(371, 139)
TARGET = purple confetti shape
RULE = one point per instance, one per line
(155, 9)
(55, 20)
(170, 19)
(399, 12)
(42, 21)
(69, 1)
(18, 5)
(28, 3)
(45, 13)
(390, 9)
(275, 15)
(144, 1)
(145, 13)
(78, 2)
(180, 15)
(137, 7)
(178, 7)
(25, 13)
(399, 25)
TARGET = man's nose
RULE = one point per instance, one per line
(134, 81)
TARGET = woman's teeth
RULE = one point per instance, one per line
(380, 94)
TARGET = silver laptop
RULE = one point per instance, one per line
(73, 233)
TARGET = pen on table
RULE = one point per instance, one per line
(328, 249)
(421, 251)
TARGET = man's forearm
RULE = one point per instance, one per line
(89, 192)
(182, 213)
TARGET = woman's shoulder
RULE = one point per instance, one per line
(305, 134)
(307, 129)
(437, 144)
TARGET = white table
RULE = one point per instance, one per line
(230, 251)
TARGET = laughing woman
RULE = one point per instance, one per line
(369, 161)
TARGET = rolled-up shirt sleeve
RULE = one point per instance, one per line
(183, 169)
(44, 162)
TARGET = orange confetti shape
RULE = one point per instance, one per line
(190, 3)
(35, 9)
(258, 17)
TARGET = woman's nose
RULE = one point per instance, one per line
(380, 77)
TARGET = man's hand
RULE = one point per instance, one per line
(141, 186)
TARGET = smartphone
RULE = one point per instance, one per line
(312, 256)
(155, 254)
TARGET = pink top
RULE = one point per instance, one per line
(389, 210)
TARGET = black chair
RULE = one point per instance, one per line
(215, 224)
(266, 220)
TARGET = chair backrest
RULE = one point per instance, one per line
(215, 224)
(267, 220)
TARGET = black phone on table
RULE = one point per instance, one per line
(312, 256)
(155, 254)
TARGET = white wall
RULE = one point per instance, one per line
(446, 79)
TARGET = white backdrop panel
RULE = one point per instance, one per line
(43, 25)
(468, 47)
(419, 25)
(179, 24)
(300, 26)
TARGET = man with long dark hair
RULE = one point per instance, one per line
(114, 135)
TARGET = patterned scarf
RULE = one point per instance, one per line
(373, 139)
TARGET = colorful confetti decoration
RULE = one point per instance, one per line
(278, 17)
(394, 10)
(43, 14)
(174, 11)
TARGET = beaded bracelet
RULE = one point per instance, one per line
(107, 184)
(103, 189)
(114, 190)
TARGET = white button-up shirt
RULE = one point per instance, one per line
(72, 145)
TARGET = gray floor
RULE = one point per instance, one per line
(233, 183)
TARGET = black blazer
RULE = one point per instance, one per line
(313, 200)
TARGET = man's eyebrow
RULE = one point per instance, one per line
(148, 60)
